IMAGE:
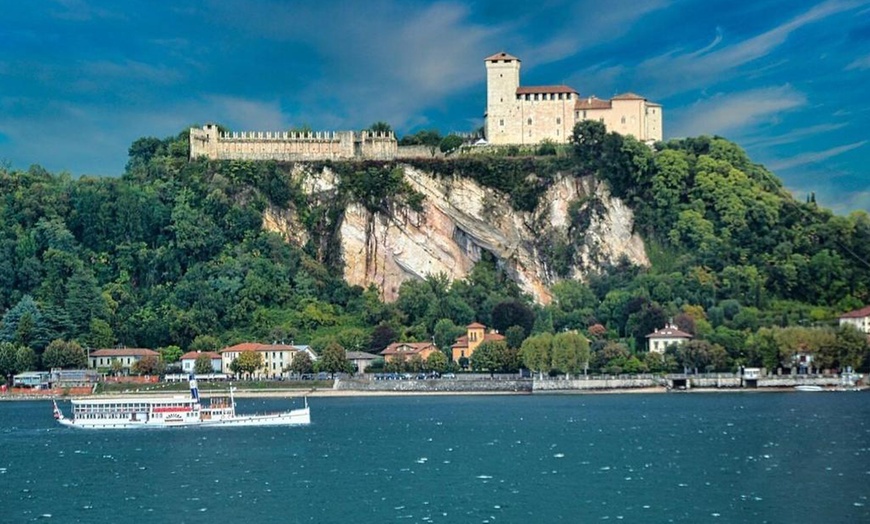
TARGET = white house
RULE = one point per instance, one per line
(188, 361)
(669, 335)
(126, 357)
(860, 319)
(276, 357)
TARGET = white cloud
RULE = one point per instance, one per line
(860, 64)
(733, 113)
(685, 70)
(791, 137)
(814, 157)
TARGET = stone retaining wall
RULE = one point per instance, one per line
(592, 384)
(436, 385)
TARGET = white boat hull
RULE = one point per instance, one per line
(296, 417)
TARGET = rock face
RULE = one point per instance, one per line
(461, 219)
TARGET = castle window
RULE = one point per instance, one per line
(501, 122)
(527, 97)
(569, 96)
(536, 96)
(519, 97)
(559, 120)
(561, 96)
(584, 113)
(577, 115)
(530, 121)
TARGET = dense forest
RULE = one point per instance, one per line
(172, 255)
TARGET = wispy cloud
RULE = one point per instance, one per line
(249, 115)
(814, 156)
(861, 64)
(791, 137)
(733, 113)
(687, 69)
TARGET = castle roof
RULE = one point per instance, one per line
(591, 102)
(858, 313)
(628, 96)
(501, 56)
(530, 90)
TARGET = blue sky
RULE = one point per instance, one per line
(787, 80)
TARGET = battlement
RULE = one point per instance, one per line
(289, 146)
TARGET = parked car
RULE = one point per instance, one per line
(448, 375)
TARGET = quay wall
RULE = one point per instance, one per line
(437, 385)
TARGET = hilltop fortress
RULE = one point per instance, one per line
(527, 115)
(515, 115)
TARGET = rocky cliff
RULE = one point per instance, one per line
(460, 219)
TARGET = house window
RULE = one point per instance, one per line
(623, 120)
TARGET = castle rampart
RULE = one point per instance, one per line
(211, 142)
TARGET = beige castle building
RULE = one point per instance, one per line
(520, 115)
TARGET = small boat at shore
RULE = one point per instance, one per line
(809, 388)
(156, 412)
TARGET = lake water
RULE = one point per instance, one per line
(724, 457)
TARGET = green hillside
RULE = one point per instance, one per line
(173, 253)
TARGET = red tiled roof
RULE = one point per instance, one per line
(544, 89)
(858, 313)
(193, 355)
(256, 346)
(413, 348)
(590, 102)
(475, 325)
(125, 352)
(669, 331)
(493, 337)
(501, 56)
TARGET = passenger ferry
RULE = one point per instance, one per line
(156, 412)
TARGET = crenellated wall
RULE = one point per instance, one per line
(212, 143)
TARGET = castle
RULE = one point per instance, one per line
(520, 115)
(515, 115)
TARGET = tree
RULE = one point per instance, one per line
(382, 336)
(247, 363)
(512, 313)
(514, 336)
(450, 143)
(588, 140)
(202, 365)
(570, 352)
(494, 356)
(446, 333)
(301, 363)
(170, 354)
(148, 365)
(380, 127)
(64, 355)
(205, 343)
(333, 359)
(9, 364)
(535, 352)
(437, 362)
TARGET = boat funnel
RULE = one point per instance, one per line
(194, 389)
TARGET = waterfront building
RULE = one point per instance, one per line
(475, 335)
(361, 360)
(660, 339)
(403, 351)
(275, 357)
(126, 357)
(188, 361)
(859, 318)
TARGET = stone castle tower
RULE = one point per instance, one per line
(526, 115)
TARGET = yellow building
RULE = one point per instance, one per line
(522, 115)
(475, 335)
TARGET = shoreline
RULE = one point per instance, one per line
(336, 393)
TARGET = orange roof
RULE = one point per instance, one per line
(493, 337)
(591, 102)
(475, 325)
(501, 56)
(545, 89)
(256, 346)
(858, 313)
(193, 355)
(125, 352)
(407, 348)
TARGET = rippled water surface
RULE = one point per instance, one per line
(747, 457)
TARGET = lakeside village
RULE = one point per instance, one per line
(422, 367)
(478, 359)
